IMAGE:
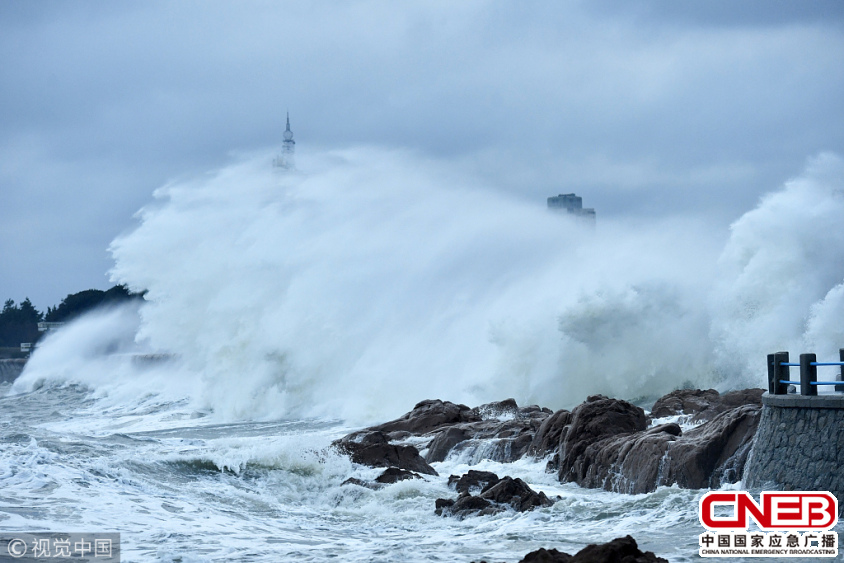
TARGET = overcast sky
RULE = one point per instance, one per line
(643, 108)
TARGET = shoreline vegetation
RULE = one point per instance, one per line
(19, 323)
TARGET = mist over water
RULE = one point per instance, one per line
(373, 279)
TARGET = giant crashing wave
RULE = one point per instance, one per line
(378, 278)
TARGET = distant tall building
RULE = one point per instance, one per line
(285, 159)
(571, 204)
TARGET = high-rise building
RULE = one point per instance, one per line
(285, 159)
(571, 204)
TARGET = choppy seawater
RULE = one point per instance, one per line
(179, 487)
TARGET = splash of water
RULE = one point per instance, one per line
(377, 279)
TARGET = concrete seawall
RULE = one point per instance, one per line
(10, 370)
(799, 445)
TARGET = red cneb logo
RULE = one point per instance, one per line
(793, 510)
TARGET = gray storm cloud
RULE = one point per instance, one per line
(647, 108)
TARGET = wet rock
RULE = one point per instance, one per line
(505, 438)
(430, 415)
(498, 409)
(707, 456)
(394, 475)
(445, 441)
(473, 481)
(684, 401)
(543, 555)
(623, 550)
(619, 550)
(361, 483)
(495, 495)
(629, 463)
(602, 443)
(516, 493)
(466, 505)
(550, 434)
(593, 421)
(374, 450)
(500, 431)
(714, 453)
(705, 404)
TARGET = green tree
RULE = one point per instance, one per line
(77, 303)
(19, 323)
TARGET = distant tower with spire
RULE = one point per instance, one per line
(285, 159)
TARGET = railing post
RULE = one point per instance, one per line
(840, 388)
(808, 374)
(777, 372)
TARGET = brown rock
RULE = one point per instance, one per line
(429, 415)
(622, 550)
(374, 450)
(715, 452)
(705, 404)
(543, 555)
(550, 434)
(596, 419)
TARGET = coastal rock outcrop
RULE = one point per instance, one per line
(704, 404)
(621, 550)
(496, 494)
(602, 443)
(607, 447)
(374, 450)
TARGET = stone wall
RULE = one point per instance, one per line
(799, 445)
(10, 370)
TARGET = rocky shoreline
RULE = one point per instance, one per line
(602, 443)
(622, 550)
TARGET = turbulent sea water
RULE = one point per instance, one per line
(179, 488)
(292, 309)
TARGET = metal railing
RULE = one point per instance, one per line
(779, 373)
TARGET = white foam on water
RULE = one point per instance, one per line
(376, 278)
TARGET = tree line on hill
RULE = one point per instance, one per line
(19, 323)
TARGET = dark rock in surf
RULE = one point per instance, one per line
(374, 450)
(497, 440)
(628, 463)
(638, 461)
(466, 505)
(593, 421)
(704, 404)
(504, 433)
(516, 493)
(394, 475)
(543, 555)
(623, 550)
(714, 453)
(473, 481)
(619, 550)
(430, 415)
(500, 431)
(495, 495)
(550, 434)
(602, 443)
(445, 441)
